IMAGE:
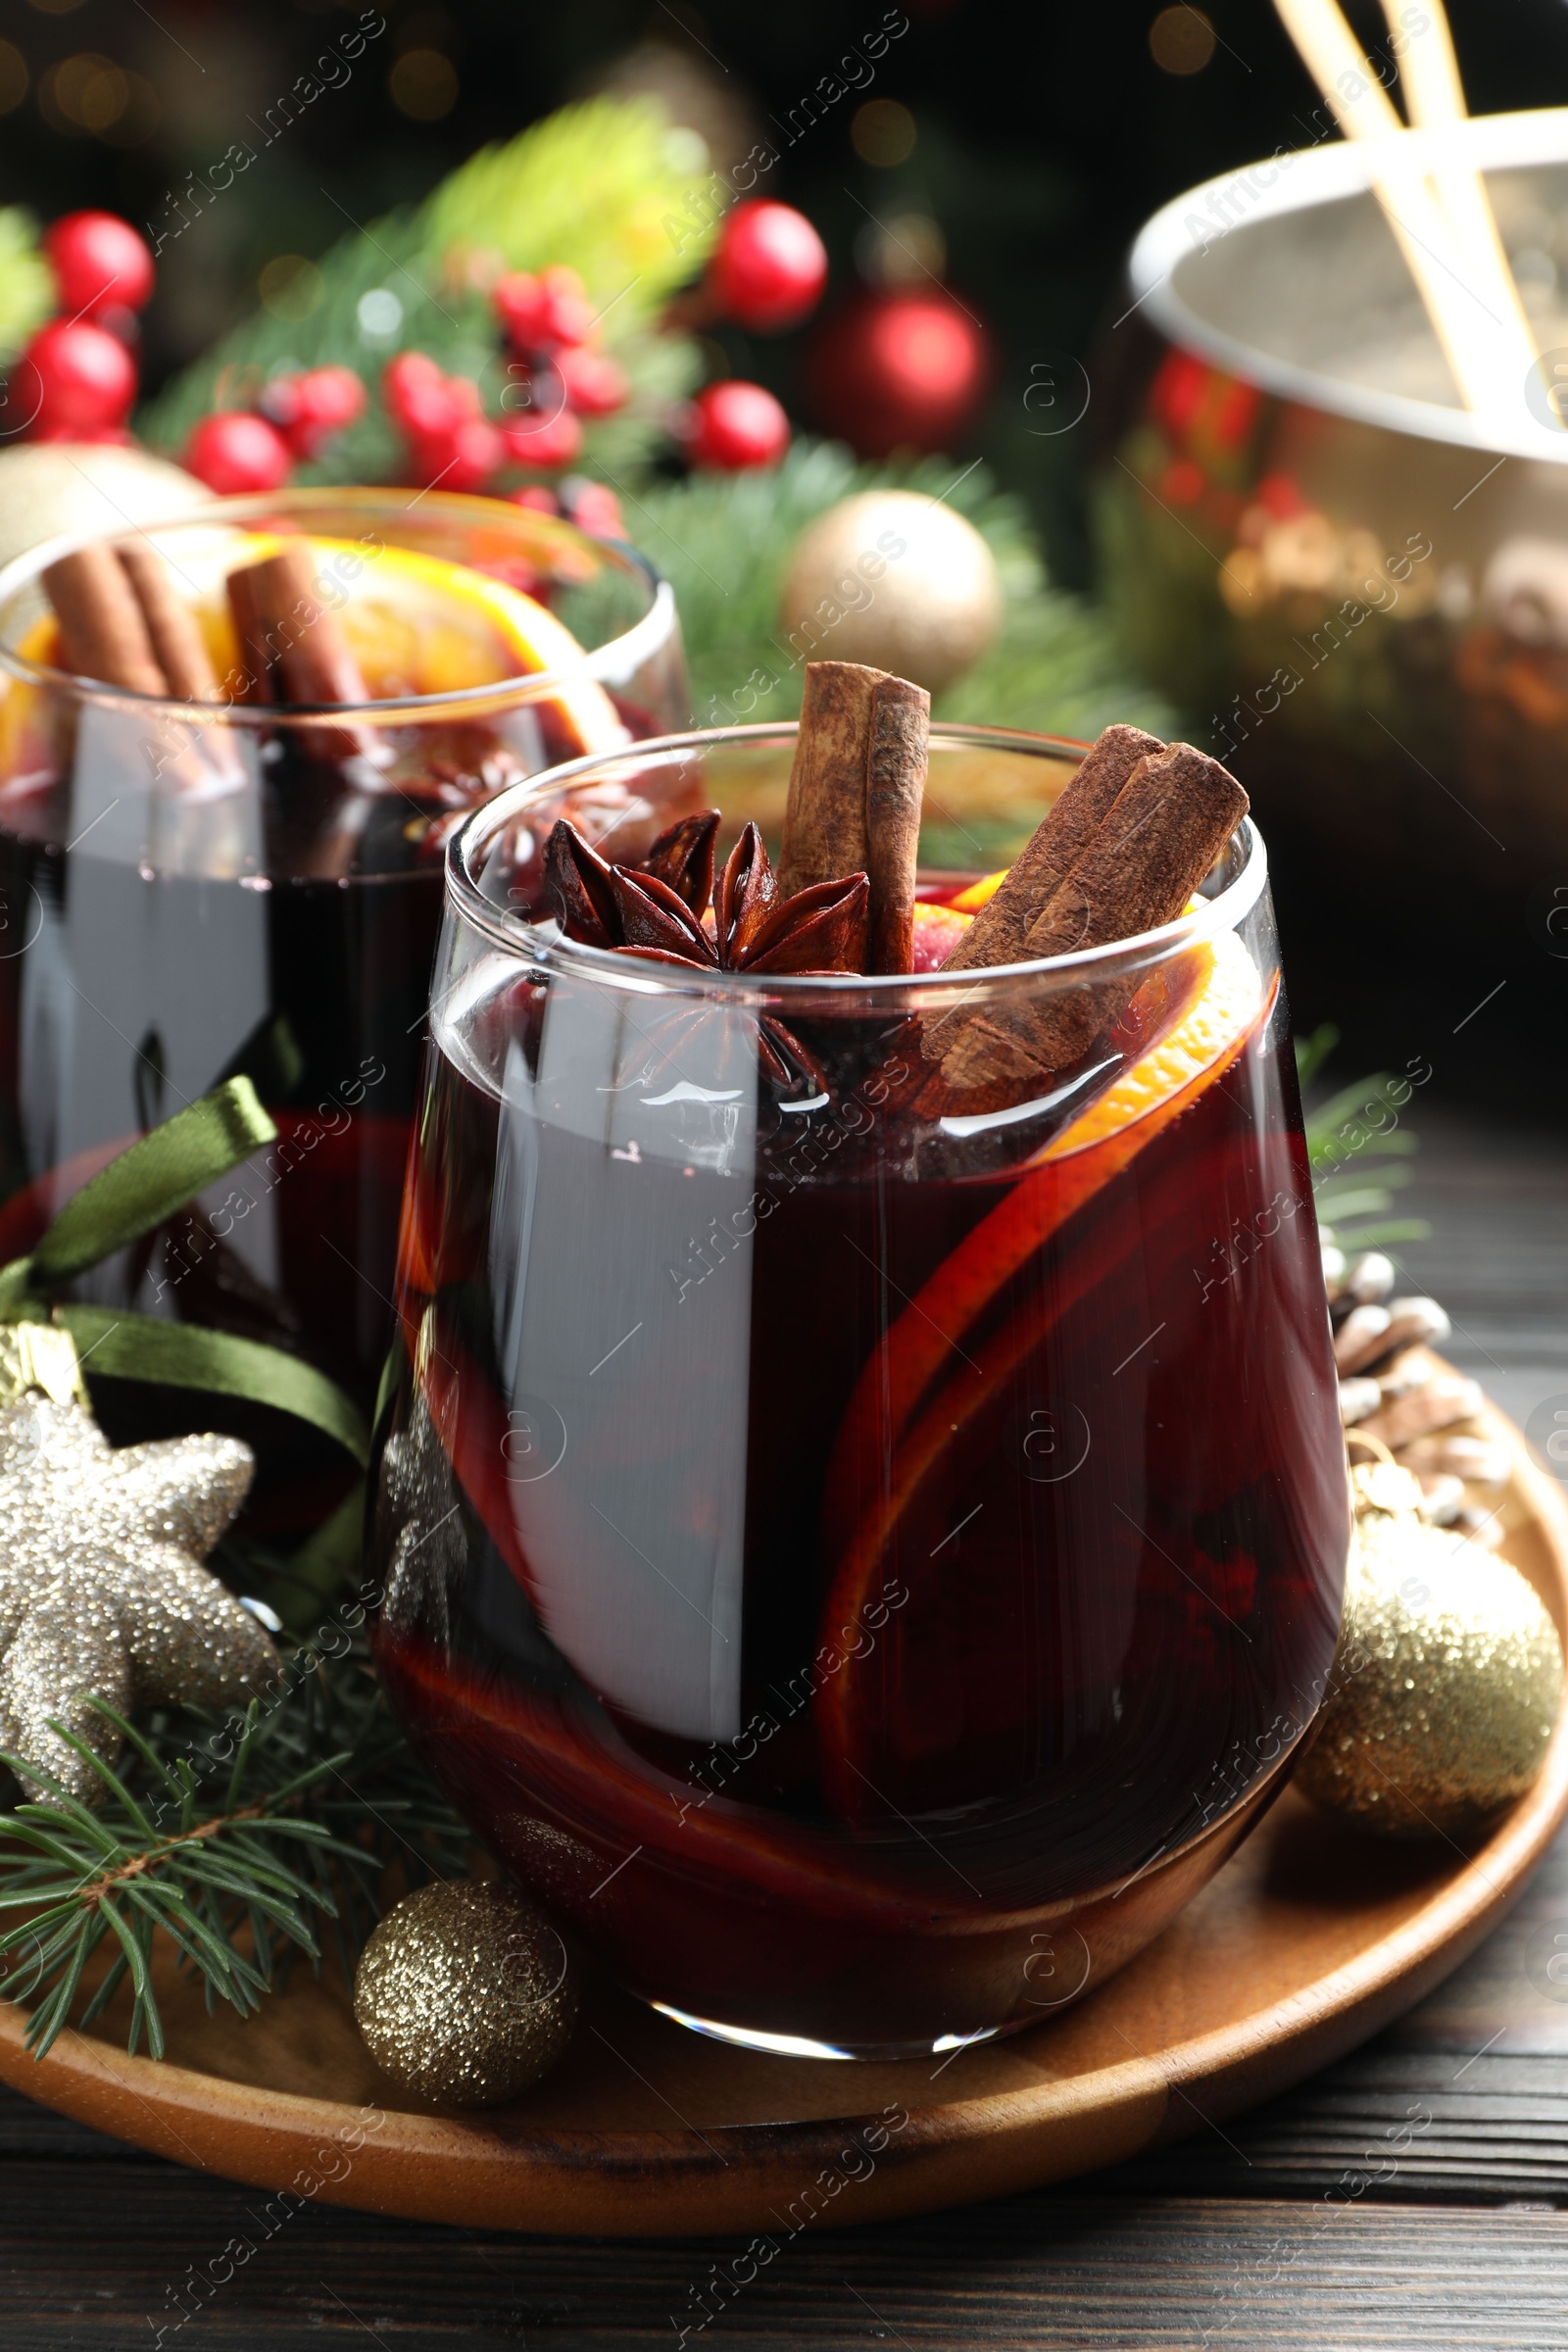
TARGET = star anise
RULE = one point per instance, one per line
(655, 911)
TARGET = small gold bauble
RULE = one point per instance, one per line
(897, 582)
(51, 487)
(1446, 1686)
(464, 1994)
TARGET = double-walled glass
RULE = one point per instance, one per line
(861, 1563)
(191, 890)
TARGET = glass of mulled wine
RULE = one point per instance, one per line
(863, 1568)
(190, 889)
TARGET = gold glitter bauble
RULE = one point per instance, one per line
(897, 582)
(464, 1994)
(51, 487)
(1446, 1686)
(101, 1583)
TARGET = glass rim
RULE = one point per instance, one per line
(632, 647)
(545, 944)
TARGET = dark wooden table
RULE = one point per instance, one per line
(1416, 2194)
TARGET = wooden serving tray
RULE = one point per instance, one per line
(1311, 1938)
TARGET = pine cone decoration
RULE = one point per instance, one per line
(1395, 1388)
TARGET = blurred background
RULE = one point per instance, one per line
(991, 164)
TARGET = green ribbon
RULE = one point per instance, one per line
(134, 1194)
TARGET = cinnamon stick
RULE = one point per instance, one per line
(1147, 854)
(293, 648)
(103, 632)
(178, 642)
(293, 653)
(824, 818)
(1136, 872)
(999, 930)
(895, 787)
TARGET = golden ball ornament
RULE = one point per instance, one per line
(895, 580)
(465, 1993)
(48, 488)
(1445, 1686)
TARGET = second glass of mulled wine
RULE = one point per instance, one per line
(863, 1567)
(231, 750)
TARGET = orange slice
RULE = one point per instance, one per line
(970, 901)
(919, 1418)
(1223, 993)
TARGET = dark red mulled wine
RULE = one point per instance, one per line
(862, 1571)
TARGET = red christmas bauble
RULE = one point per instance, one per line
(898, 370)
(770, 267)
(235, 450)
(98, 261)
(735, 425)
(73, 376)
(310, 406)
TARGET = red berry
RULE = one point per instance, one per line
(770, 267)
(595, 509)
(536, 496)
(308, 408)
(539, 314)
(520, 303)
(596, 385)
(569, 315)
(735, 425)
(235, 450)
(545, 441)
(418, 394)
(98, 259)
(461, 458)
(73, 375)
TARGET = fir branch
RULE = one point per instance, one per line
(245, 1852)
(604, 187)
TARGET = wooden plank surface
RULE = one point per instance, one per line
(1407, 2196)
(107, 2249)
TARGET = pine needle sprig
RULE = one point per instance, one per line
(1360, 1123)
(247, 1845)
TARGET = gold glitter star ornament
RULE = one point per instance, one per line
(102, 1589)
